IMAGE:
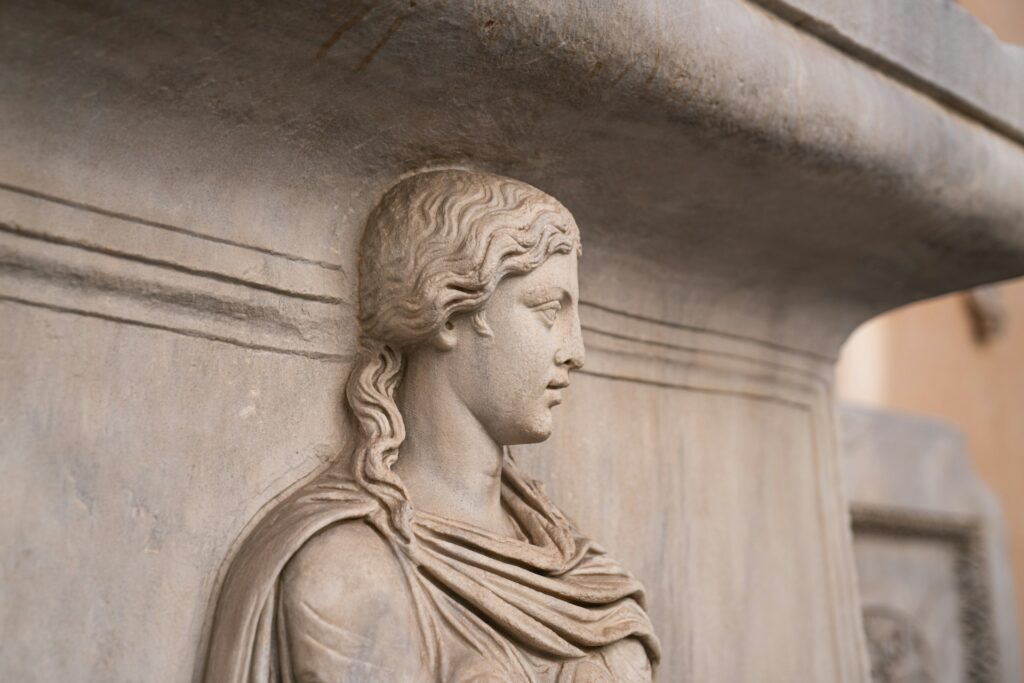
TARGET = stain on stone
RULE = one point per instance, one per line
(365, 61)
(345, 26)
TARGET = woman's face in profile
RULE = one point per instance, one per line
(511, 380)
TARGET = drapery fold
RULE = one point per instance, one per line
(550, 595)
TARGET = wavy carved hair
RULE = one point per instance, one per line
(435, 246)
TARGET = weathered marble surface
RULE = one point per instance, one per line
(183, 187)
(912, 42)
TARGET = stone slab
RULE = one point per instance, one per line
(935, 46)
(275, 127)
(932, 561)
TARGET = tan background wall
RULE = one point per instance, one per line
(1004, 17)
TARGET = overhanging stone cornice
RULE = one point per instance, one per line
(936, 47)
(770, 184)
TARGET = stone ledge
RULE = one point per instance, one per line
(936, 47)
(703, 139)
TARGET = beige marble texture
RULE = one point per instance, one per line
(182, 190)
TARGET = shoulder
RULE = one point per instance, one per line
(344, 567)
(347, 609)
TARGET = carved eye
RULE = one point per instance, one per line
(549, 311)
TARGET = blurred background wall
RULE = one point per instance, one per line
(1004, 17)
(959, 358)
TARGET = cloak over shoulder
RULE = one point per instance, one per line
(552, 594)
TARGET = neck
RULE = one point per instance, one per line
(449, 464)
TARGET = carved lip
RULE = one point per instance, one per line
(555, 386)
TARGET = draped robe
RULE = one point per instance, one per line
(549, 605)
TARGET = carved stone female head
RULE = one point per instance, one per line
(439, 242)
(435, 249)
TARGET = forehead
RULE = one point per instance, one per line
(558, 272)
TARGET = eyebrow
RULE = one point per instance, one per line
(543, 294)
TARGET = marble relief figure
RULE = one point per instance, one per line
(425, 554)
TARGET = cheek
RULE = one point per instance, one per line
(521, 371)
(534, 355)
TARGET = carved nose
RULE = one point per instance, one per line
(574, 362)
(571, 355)
(572, 352)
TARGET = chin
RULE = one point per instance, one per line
(536, 431)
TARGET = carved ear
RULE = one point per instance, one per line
(446, 337)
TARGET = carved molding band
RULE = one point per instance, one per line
(89, 261)
(74, 260)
